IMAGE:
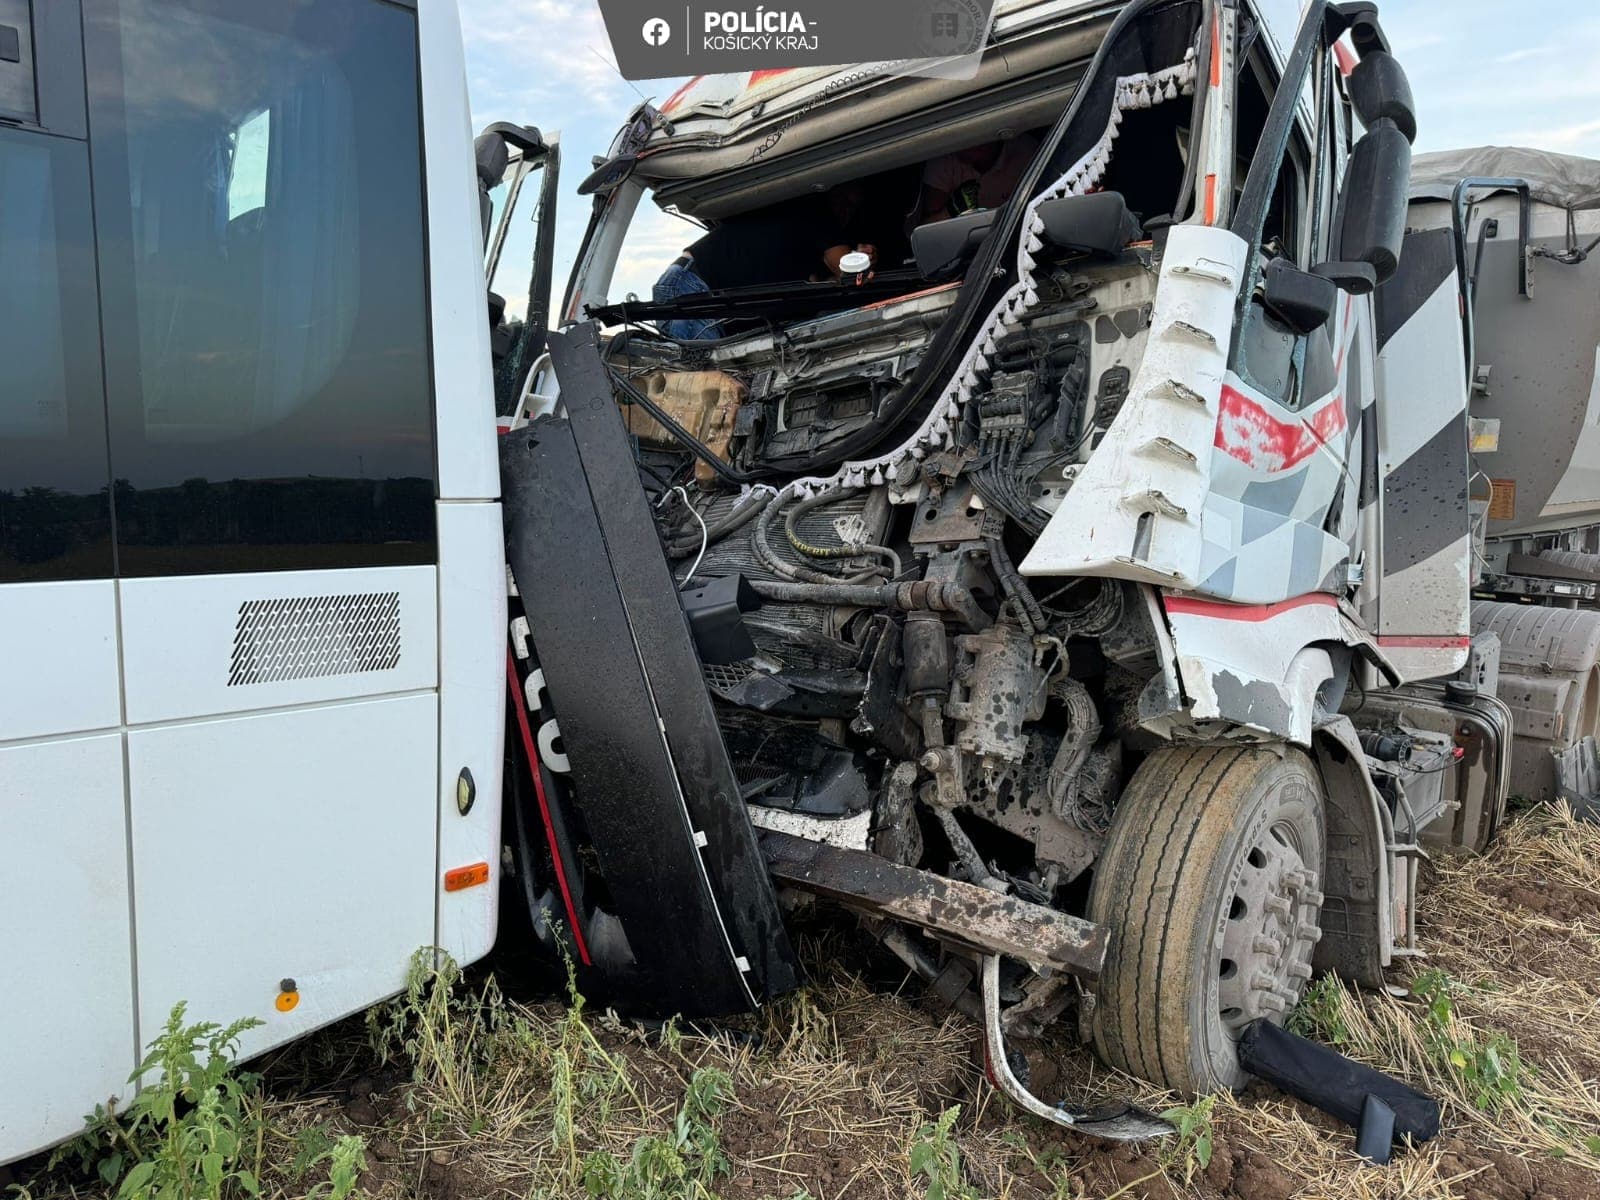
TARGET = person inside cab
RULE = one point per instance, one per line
(981, 176)
(800, 239)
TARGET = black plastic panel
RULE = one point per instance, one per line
(622, 777)
(748, 903)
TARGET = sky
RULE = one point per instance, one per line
(1505, 72)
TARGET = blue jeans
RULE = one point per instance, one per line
(679, 280)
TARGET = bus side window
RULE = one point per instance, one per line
(54, 507)
(261, 233)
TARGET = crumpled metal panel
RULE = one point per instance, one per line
(1578, 778)
(1135, 510)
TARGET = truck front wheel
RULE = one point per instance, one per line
(1208, 885)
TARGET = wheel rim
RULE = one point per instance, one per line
(1268, 927)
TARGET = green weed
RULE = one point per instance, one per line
(463, 1045)
(936, 1156)
(182, 1137)
(680, 1165)
(346, 1160)
(346, 1157)
(1488, 1064)
(1320, 1013)
(1053, 1163)
(444, 1031)
(1193, 1146)
(584, 1078)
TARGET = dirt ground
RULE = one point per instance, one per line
(836, 1092)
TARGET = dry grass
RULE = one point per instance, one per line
(492, 1097)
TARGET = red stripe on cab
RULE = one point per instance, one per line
(1221, 610)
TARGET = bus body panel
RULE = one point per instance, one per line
(68, 1041)
(208, 645)
(318, 877)
(58, 659)
(472, 699)
(463, 382)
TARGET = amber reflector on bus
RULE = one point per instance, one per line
(458, 878)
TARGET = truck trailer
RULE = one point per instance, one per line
(1109, 597)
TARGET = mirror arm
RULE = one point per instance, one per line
(1359, 18)
(526, 138)
(1358, 278)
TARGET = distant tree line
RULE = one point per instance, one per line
(39, 524)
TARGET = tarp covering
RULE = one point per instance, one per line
(1564, 180)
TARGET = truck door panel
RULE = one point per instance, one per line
(1283, 429)
(1282, 460)
(1424, 601)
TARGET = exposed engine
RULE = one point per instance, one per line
(884, 674)
(961, 537)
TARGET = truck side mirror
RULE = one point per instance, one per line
(1379, 88)
(491, 155)
(1372, 210)
(608, 175)
(1298, 300)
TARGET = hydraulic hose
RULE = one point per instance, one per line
(742, 514)
(923, 595)
(796, 511)
(762, 545)
(792, 532)
(1083, 731)
(761, 542)
(1014, 586)
(1095, 617)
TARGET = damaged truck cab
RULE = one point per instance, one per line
(1058, 595)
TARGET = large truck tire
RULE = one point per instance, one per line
(1209, 888)
(1550, 679)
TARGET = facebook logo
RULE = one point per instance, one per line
(946, 24)
(656, 31)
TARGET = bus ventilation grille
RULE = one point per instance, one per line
(306, 637)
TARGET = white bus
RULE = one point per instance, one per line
(252, 597)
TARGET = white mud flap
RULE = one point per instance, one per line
(1578, 778)
(1121, 1121)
